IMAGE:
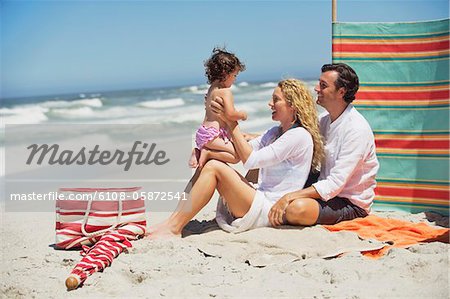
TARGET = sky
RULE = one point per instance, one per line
(57, 47)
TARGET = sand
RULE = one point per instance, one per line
(290, 262)
(265, 262)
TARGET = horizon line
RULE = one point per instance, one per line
(134, 88)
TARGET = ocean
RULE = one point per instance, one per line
(113, 121)
(172, 107)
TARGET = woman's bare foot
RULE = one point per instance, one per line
(162, 233)
(162, 230)
(193, 161)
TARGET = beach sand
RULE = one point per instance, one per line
(216, 264)
(288, 262)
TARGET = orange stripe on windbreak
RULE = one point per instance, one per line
(377, 41)
(403, 95)
(414, 193)
(341, 54)
(412, 144)
(427, 102)
(413, 136)
(418, 152)
(404, 88)
(422, 186)
(408, 202)
(388, 47)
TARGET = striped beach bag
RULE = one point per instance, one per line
(83, 215)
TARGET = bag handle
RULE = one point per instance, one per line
(96, 233)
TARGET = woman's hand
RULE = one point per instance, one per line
(218, 107)
(277, 211)
(249, 136)
(242, 148)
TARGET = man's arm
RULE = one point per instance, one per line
(354, 149)
(351, 155)
(277, 212)
(309, 192)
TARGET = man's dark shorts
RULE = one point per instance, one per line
(338, 209)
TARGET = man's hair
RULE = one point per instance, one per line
(347, 78)
(221, 64)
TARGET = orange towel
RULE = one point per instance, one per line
(400, 233)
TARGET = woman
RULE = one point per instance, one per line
(285, 154)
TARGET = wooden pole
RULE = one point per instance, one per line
(333, 20)
(334, 10)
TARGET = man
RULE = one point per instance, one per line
(345, 189)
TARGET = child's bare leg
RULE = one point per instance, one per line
(207, 154)
(219, 145)
(195, 156)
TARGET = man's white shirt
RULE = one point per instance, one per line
(350, 164)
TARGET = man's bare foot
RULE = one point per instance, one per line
(203, 158)
(193, 161)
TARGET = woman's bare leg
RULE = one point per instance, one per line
(302, 211)
(215, 174)
(182, 205)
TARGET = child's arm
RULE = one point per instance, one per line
(230, 111)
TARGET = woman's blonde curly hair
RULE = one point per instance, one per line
(299, 97)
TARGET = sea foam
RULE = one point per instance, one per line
(73, 113)
(31, 114)
(158, 104)
(94, 102)
(269, 84)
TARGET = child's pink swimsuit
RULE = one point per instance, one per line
(206, 134)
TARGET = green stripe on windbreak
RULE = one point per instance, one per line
(404, 84)
(396, 71)
(415, 209)
(418, 133)
(415, 156)
(419, 182)
(393, 59)
(414, 169)
(414, 120)
(380, 28)
(400, 107)
(383, 36)
(401, 203)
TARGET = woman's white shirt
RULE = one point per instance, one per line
(284, 162)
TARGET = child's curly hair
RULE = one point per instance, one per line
(221, 64)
